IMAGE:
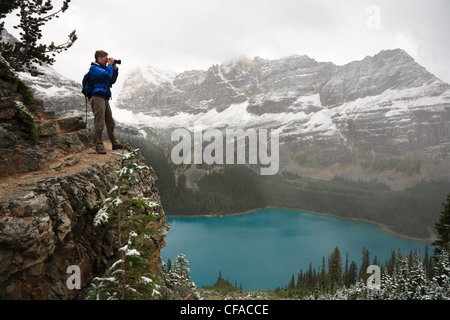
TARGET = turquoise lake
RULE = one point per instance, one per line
(262, 249)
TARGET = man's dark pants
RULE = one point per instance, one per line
(102, 117)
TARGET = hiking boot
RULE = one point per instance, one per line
(117, 146)
(100, 151)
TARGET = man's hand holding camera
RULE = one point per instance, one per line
(112, 62)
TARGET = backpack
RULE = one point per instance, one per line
(86, 86)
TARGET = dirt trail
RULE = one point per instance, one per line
(20, 184)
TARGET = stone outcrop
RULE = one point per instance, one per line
(49, 186)
(19, 151)
(51, 228)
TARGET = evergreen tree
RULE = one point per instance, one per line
(323, 276)
(352, 275)
(428, 264)
(375, 261)
(309, 280)
(441, 280)
(291, 284)
(5, 8)
(178, 279)
(443, 229)
(130, 277)
(401, 278)
(387, 286)
(364, 265)
(335, 269)
(25, 54)
(418, 280)
(181, 266)
(300, 280)
(390, 265)
(346, 268)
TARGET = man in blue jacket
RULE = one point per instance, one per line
(103, 74)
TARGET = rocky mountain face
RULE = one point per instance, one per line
(51, 228)
(31, 136)
(49, 185)
(59, 94)
(382, 106)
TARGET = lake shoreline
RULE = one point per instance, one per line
(380, 226)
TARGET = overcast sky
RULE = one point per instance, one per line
(183, 35)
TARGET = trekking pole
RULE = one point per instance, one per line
(86, 111)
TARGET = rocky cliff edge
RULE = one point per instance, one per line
(50, 181)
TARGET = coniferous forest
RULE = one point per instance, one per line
(405, 276)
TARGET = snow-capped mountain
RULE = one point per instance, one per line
(60, 94)
(387, 103)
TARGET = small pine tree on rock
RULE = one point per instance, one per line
(130, 277)
(177, 282)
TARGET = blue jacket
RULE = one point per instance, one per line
(102, 78)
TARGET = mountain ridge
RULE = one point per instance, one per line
(233, 75)
(296, 85)
(380, 108)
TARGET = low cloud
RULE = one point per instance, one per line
(184, 35)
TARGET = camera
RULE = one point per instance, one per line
(117, 61)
